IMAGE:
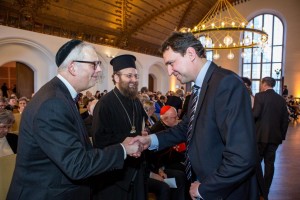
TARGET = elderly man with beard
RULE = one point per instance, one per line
(117, 115)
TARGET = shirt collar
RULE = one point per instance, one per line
(68, 85)
(202, 73)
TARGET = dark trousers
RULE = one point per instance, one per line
(267, 153)
(162, 190)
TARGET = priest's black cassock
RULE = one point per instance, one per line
(111, 125)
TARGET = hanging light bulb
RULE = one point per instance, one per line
(216, 56)
(227, 40)
(243, 54)
(208, 41)
(247, 40)
(230, 56)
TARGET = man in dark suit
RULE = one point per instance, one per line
(55, 157)
(221, 146)
(271, 123)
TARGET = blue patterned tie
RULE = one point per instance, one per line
(76, 99)
(188, 169)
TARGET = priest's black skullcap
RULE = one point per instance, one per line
(122, 62)
(65, 50)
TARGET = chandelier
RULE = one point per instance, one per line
(223, 28)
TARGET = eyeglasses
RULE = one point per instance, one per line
(95, 64)
(130, 76)
(5, 126)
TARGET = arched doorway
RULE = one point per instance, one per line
(151, 83)
(19, 75)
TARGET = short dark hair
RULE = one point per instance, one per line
(162, 97)
(144, 90)
(269, 81)
(179, 42)
(247, 81)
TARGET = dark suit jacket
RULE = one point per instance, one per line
(185, 106)
(12, 140)
(271, 117)
(223, 150)
(55, 156)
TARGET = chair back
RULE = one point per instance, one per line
(7, 167)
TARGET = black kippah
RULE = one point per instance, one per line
(65, 50)
(122, 62)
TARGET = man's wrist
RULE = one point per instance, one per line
(125, 153)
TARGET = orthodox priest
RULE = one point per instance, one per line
(117, 115)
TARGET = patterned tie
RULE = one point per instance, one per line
(188, 169)
(76, 99)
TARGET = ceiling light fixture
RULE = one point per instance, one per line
(223, 28)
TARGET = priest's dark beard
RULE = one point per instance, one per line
(127, 91)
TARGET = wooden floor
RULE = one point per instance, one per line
(286, 181)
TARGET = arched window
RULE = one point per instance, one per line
(209, 53)
(261, 62)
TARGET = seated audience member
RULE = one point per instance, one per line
(87, 113)
(14, 96)
(86, 98)
(143, 98)
(22, 104)
(97, 94)
(149, 108)
(176, 101)
(89, 119)
(160, 161)
(3, 103)
(159, 104)
(12, 104)
(162, 190)
(173, 157)
(144, 90)
(8, 141)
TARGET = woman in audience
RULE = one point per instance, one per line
(149, 108)
(8, 141)
(22, 104)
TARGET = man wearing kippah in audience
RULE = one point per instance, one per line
(117, 115)
(55, 157)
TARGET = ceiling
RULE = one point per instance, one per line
(135, 25)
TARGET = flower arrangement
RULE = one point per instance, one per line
(277, 71)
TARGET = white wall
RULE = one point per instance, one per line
(38, 52)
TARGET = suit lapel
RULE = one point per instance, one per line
(70, 102)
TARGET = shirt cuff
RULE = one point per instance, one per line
(125, 154)
(154, 142)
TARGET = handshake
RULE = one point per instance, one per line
(134, 146)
